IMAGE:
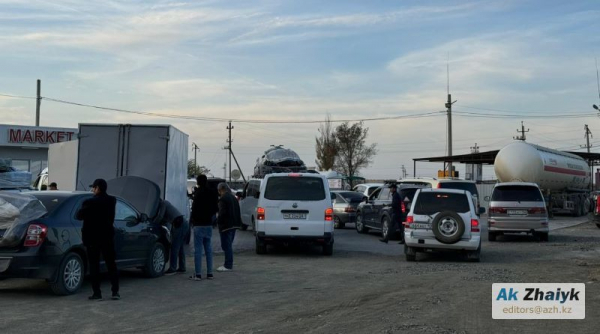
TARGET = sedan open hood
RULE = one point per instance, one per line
(142, 193)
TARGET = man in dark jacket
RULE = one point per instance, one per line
(98, 216)
(229, 220)
(204, 209)
(396, 215)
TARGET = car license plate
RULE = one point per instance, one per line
(517, 212)
(294, 216)
(421, 226)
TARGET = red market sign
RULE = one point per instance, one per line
(18, 136)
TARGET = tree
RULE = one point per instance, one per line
(326, 146)
(353, 153)
(194, 170)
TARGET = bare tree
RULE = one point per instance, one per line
(353, 153)
(326, 146)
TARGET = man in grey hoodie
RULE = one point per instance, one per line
(228, 221)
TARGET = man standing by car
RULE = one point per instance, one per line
(396, 215)
(53, 186)
(204, 209)
(229, 220)
(98, 216)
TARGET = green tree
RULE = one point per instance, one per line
(326, 146)
(194, 170)
(353, 153)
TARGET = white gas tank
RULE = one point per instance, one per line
(550, 169)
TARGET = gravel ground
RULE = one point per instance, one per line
(366, 287)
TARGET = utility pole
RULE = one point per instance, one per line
(403, 171)
(38, 102)
(588, 134)
(225, 170)
(449, 111)
(195, 148)
(475, 149)
(229, 128)
(522, 131)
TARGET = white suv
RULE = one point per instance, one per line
(294, 207)
(442, 219)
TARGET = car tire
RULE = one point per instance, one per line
(253, 225)
(386, 229)
(261, 246)
(70, 275)
(543, 237)
(244, 227)
(328, 248)
(360, 225)
(492, 236)
(156, 262)
(448, 227)
(474, 256)
(410, 253)
(337, 223)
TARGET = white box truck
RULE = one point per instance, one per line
(158, 153)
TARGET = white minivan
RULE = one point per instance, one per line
(248, 203)
(294, 207)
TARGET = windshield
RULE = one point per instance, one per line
(429, 203)
(471, 187)
(517, 193)
(295, 189)
(408, 193)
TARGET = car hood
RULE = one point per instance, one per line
(142, 193)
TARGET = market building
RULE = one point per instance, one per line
(26, 147)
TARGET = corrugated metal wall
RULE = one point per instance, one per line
(485, 189)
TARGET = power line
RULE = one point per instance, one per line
(18, 96)
(484, 115)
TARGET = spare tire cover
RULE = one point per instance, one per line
(142, 193)
(448, 227)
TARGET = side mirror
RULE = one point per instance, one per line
(143, 217)
(366, 199)
(487, 198)
(257, 195)
(481, 211)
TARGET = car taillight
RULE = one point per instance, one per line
(294, 175)
(403, 207)
(36, 233)
(260, 213)
(439, 185)
(409, 220)
(597, 204)
(537, 210)
(349, 209)
(474, 225)
(495, 209)
(329, 214)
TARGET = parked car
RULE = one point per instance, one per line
(294, 207)
(442, 219)
(367, 188)
(50, 246)
(375, 212)
(448, 183)
(517, 207)
(248, 203)
(345, 204)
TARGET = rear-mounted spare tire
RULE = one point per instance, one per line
(448, 227)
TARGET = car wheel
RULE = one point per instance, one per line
(70, 275)
(474, 256)
(244, 227)
(448, 227)
(155, 264)
(328, 248)
(360, 226)
(261, 246)
(492, 236)
(543, 237)
(411, 253)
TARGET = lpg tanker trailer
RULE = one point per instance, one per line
(563, 177)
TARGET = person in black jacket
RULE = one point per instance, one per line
(396, 215)
(204, 209)
(228, 220)
(98, 216)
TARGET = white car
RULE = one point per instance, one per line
(248, 203)
(367, 188)
(442, 219)
(294, 207)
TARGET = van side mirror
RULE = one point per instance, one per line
(481, 211)
(487, 198)
(257, 195)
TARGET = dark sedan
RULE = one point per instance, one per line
(375, 212)
(50, 247)
(345, 204)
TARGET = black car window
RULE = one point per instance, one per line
(352, 197)
(408, 194)
(125, 212)
(375, 193)
(471, 187)
(429, 203)
(295, 189)
(371, 190)
(384, 194)
(517, 193)
(246, 191)
(51, 202)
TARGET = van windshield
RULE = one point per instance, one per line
(429, 203)
(517, 194)
(295, 189)
(468, 186)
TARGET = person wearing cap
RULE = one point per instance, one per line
(396, 224)
(53, 186)
(97, 233)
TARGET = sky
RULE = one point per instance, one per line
(509, 61)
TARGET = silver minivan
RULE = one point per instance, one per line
(517, 207)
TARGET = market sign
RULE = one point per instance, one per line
(30, 136)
